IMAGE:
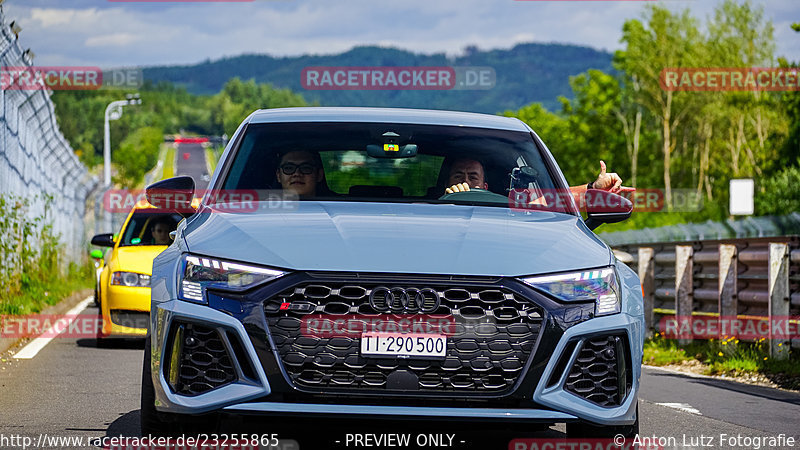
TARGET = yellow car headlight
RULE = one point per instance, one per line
(130, 279)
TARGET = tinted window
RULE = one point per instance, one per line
(149, 228)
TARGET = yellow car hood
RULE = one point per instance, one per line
(137, 258)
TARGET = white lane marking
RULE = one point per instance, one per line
(33, 347)
(685, 407)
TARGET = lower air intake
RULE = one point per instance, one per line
(601, 371)
(203, 362)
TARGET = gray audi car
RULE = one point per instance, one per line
(391, 263)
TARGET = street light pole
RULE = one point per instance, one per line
(113, 112)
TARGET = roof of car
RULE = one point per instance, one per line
(391, 115)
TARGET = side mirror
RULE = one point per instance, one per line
(174, 194)
(605, 207)
(96, 254)
(102, 240)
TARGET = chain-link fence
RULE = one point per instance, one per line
(35, 159)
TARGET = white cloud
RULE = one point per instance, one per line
(114, 34)
(112, 40)
(48, 18)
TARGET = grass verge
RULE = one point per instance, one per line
(169, 163)
(730, 357)
(35, 296)
(211, 159)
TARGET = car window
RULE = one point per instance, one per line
(352, 173)
(148, 227)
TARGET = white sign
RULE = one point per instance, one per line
(741, 196)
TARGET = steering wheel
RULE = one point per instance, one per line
(475, 195)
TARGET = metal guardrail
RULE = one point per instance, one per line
(730, 277)
(747, 227)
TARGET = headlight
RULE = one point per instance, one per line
(199, 274)
(599, 285)
(130, 279)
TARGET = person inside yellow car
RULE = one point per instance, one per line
(160, 230)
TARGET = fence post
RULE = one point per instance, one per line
(728, 306)
(647, 276)
(778, 298)
(684, 282)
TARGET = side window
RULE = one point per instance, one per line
(242, 171)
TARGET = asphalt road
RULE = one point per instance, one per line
(191, 161)
(73, 388)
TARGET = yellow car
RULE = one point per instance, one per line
(124, 282)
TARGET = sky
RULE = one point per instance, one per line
(108, 33)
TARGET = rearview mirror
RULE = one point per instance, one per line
(174, 194)
(103, 240)
(392, 151)
(605, 207)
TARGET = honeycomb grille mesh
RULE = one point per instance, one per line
(204, 362)
(594, 375)
(494, 336)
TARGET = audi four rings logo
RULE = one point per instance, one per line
(397, 299)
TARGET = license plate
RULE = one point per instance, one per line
(404, 345)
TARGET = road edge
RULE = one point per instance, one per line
(716, 378)
(61, 307)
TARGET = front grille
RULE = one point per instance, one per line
(204, 362)
(600, 372)
(495, 333)
(131, 319)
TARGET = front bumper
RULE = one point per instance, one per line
(260, 386)
(126, 300)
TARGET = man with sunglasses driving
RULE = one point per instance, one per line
(301, 172)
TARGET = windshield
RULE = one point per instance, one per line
(362, 162)
(148, 227)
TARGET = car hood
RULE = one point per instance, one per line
(138, 258)
(400, 238)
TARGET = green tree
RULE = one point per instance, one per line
(137, 153)
(239, 98)
(664, 40)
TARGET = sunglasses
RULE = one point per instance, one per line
(305, 168)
